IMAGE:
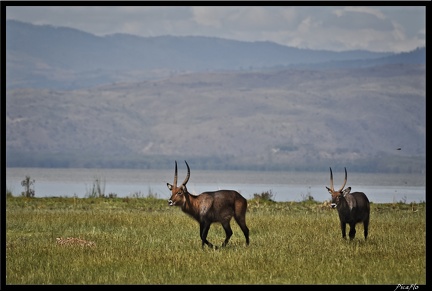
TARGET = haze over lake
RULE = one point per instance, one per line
(285, 186)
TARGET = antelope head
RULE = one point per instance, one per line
(337, 194)
(178, 193)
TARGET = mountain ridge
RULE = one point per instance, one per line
(288, 119)
(67, 106)
(44, 56)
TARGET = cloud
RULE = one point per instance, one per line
(209, 16)
(360, 9)
(357, 18)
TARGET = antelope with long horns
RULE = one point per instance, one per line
(353, 207)
(209, 207)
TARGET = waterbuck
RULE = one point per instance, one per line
(353, 207)
(208, 207)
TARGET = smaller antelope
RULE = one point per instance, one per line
(208, 207)
(353, 207)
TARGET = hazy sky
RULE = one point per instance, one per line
(374, 28)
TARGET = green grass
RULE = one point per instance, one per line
(144, 241)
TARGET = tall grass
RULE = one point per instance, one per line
(144, 241)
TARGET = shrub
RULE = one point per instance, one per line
(267, 195)
(27, 183)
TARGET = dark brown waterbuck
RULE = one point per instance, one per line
(353, 207)
(208, 207)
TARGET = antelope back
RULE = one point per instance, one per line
(336, 195)
(359, 200)
(178, 193)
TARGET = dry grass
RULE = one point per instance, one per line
(143, 241)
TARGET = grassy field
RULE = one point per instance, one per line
(144, 241)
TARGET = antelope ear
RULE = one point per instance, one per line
(346, 191)
(328, 189)
(169, 186)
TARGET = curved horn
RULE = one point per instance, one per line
(331, 180)
(188, 174)
(344, 181)
(175, 175)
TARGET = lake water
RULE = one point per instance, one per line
(285, 186)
